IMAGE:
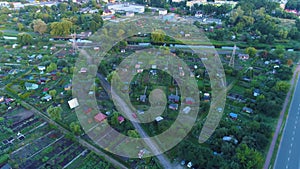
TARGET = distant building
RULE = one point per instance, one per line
(4, 4)
(189, 100)
(173, 106)
(126, 7)
(121, 119)
(177, 1)
(46, 98)
(42, 68)
(68, 87)
(130, 14)
(199, 14)
(83, 70)
(73, 103)
(143, 98)
(256, 92)
(159, 118)
(248, 110)
(31, 86)
(173, 98)
(243, 56)
(229, 138)
(17, 5)
(1, 99)
(187, 109)
(233, 116)
(163, 12)
(206, 97)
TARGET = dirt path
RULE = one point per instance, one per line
(280, 120)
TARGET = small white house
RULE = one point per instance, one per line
(189, 165)
(14, 46)
(159, 118)
(47, 98)
(187, 109)
(130, 14)
(42, 68)
(73, 103)
(163, 12)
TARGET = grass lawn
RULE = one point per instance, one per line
(238, 90)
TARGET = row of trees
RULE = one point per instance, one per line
(45, 19)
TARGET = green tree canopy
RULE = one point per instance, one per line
(62, 28)
(54, 112)
(51, 67)
(282, 86)
(251, 51)
(133, 133)
(39, 26)
(158, 36)
(52, 93)
(249, 158)
(24, 38)
(75, 128)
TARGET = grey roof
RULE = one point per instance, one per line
(143, 98)
(174, 98)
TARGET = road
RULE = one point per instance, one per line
(155, 149)
(280, 120)
(288, 156)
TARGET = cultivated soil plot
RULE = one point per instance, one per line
(90, 161)
(27, 152)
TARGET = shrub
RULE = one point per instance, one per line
(4, 158)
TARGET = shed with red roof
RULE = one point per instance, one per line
(100, 117)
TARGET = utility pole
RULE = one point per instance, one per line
(74, 42)
(231, 62)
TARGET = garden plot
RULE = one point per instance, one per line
(44, 158)
(68, 155)
(29, 150)
(15, 121)
(90, 161)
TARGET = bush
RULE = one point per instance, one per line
(4, 158)
(25, 95)
(10, 90)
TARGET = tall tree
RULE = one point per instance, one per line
(62, 28)
(53, 93)
(249, 158)
(24, 38)
(20, 27)
(158, 36)
(75, 128)
(94, 26)
(51, 67)
(251, 51)
(54, 112)
(282, 86)
(39, 26)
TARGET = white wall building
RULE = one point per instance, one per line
(127, 8)
(162, 12)
(4, 4)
